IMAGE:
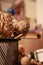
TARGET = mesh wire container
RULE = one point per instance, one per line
(8, 53)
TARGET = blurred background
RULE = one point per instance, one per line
(30, 9)
(32, 12)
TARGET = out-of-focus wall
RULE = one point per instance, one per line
(5, 5)
(39, 10)
(30, 8)
(0, 5)
(32, 44)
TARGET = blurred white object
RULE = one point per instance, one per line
(39, 55)
(25, 60)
